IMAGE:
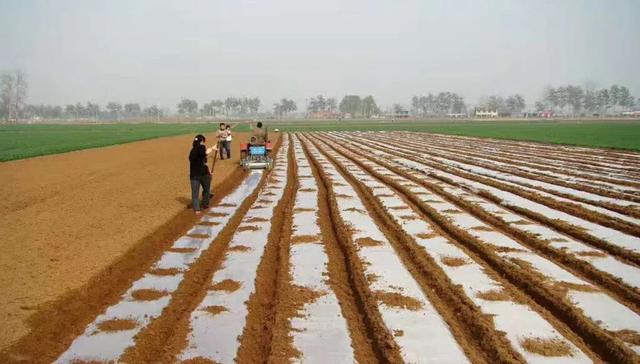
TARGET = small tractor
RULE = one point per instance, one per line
(255, 155)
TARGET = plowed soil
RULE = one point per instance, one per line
(67, 217)
(302, 274)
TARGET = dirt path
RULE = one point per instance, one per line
(67, 217)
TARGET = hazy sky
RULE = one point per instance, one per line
(156, 51)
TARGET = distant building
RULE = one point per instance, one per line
(631, 114)
(539, 114)
(401, 114)
(546, 114)
(485, 113)
(326, 115)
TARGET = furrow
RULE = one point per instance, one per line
(562, 185)
(565, 156)
(528, 165)
(310, 326)
(489, 295)
(257, 338)
(218, 320)
(609, 211)
(568, 297)
(624, 246)
(145, 300)
(531, 153)
(394, 299)
(620, 278)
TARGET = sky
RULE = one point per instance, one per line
(159, 51)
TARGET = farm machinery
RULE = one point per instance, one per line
(255, 155)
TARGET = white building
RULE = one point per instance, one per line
(483, 113)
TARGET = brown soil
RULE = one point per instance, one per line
(448, 299)
(494, 295)
(182, 250)
(398, 300)
(208, 223)
(198, 360)
(214, 310)
(381, 195)
(564, 287)
(521, 222)
(591, 253)
(227, 205)
(117, 325)
(148, 294)
(482, 228)
(504, 249)
(426, 235)
(249, 228)
(165, 336)
(453, 262)
(340, 195)
(371, 341)
(216, 214)
(228, 285)
(300, 239)
(239, 248)
(628, 336)
(302, 209)
(308, 190)
(257, 337)
(368, 242)
(557, 240)
(255, 219)
(520, 278)
(164, 271)
(547, 347)
(68, 246)
(198, 236)
(372, 278)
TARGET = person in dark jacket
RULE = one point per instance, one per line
(199, 172)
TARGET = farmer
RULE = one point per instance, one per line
(199, 172)
(221, 135)
(227, 144)
(259, 134)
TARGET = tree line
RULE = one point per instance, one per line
(577, 100)
(567, 100)
(240, 106)
(440, 104)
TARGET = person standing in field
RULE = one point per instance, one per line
(227, 145)
(199, 173)
(221, 135)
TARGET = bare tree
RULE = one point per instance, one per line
(8, 90)
(115, 109)
(12, 94)
(21, 91)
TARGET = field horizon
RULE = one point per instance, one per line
(19, 141)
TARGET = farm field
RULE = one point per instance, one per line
(72, 221)
(24, 141)
(619, 134)
(379, 247)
